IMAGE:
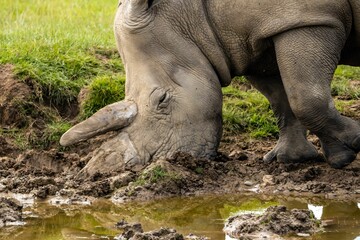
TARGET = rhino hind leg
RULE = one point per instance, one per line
(307, 59)
(292, 145)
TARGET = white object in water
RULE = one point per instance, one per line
(317, 210)
(359, 205)
(227, 237)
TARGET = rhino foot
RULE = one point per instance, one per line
(293, 151)
(341, 145)
(339, 154)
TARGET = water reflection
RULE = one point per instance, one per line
(202, 216)
(317, 210)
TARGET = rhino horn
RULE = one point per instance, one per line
(112, 117)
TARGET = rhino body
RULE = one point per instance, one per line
(179, 53)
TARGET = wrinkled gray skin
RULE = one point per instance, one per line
(179, 53)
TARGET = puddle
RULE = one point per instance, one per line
(202, 216)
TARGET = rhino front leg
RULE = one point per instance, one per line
(292, 145)
(307, 58)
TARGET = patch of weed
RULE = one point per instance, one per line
(346, 83)
(17, 136)
(51, 44)
(248, 111)
(53, 133)
(199, 170)
(155, 175)
(103, 91)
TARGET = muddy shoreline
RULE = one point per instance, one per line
(236, 170)
(45, 174)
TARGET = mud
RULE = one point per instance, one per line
(135, 232)
(10, 212)
(275, 222)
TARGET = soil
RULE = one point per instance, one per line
(134, 231)
(275, 222)
(10, 212)
(237, 169)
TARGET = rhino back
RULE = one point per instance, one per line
(245, 27)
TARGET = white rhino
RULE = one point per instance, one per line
(179, 53)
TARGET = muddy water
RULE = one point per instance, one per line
(199, 215)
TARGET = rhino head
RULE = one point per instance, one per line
(173, 93)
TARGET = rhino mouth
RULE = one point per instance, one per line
(114, 156)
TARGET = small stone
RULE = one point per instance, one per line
(268, 180)
(2, 187)
(248, 183)
(194, 237)
(138, 188)
(357, 191)
(303, 234)
(238, 155)
(121, 181)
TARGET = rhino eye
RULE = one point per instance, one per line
(164, 100)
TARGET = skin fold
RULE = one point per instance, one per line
(179, 53)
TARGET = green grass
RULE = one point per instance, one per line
(248, 111)
(155, 175)
(58, 47)
(346, 83)
(103, 91)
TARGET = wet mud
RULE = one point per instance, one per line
(10, 212)
(277, 221)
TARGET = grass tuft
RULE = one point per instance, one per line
(248, 111)
(103, 91)
(346, 84)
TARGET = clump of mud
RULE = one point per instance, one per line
(134, 231)
(10, 212)
(275, 222)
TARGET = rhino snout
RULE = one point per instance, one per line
(113, 156)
